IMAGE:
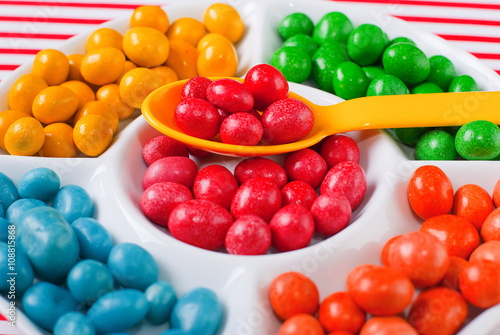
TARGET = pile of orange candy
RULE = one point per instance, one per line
(71, 105)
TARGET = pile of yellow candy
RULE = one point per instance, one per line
(72, 104)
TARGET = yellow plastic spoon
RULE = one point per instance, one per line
(376, 112)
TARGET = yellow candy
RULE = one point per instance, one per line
(182, 59)
(208, 39)
(104, 37)
(7, 118)
(218, 58)
(24, 91)
(58, 141)
(83, 91)
(187, 29)
(150, 16)
(102, 66)
(55, 104)
(110, 93)
(92, 134)
(75, 61)
(167, 74)
(145, 46)
(24, 137)
(99, 108)
(225, 20)
(52, 65)
(126, 68)
(136, 85)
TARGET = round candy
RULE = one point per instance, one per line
(39, 183)
(8, 191)
(104, 37)
(331, 213)
(306, 165)
(162, 299)
(21, 206)
(366, 44)
(401, 39)
(73, 323)
(350, 81)
(23, 92)
(145, 46)
(386, 84)
(293, 62)
(230, 95)
(473, 203)
(88, 280)
(23, 276)
(216, 183)
(132, 266)
(339, 148)
(292, 228)
(303, 41)
(55, 104)
(197, 311)
(94, 240)
(45, 302)
(150, 16)
(267, 85)
(442, 71)
(411, 135)
(103, 65)
(426, 87)
(407, 62)
(349, 179)
(334, 26)
(241, 129)
(195, 87)
(198, 118)
(52, 65)
(136, 85)
(162, 146)
(118, 310)
(294, 24)
(177, 169)
(24, 137)
(48, 241)
(373, 71)
(254, 167)
(478, 140)
(338, 312)
(73, 202)
(219, 58)
(258, 196)
(324, 62)
(298, 192)
(248, 235)
(463, 83)
(92, 134)
(225, 20)
(201, 223)
(435, 145)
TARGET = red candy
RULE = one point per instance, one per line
(241, 129)
(267, 85)
(257, 196)
(306, 165)
(292, 228)
(260, 167)
(479, 283)
(215, 183)
(339, 312)
(473, 203)
(195, 87)
(286, 120)
(162, 146)
(331, 213)
(201, 223)
(175, 169)
(248, 235)
(339, 148)
(230, 95)
(198, 118)
(158, 200)
(491, 226)
(347, 178)
(298, 192)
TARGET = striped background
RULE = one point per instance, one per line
(29, 26)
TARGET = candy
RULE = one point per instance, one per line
(88, 280)
(132, 266)
(72, 322)
(410, 136)
(229, 95)
(248, 235)
(177, 169)
(463, 83)
(39, 183)
(366, 43)
(195, 87)
(104, 37)
(350, 81)
(331, 213)
(306, 165)
(442, 71)
(479, 282)
(162, 299)
(94, 240)
(338, 312)
(298, 192)
(266, 84)
(51, 65)
(490, 228)
(216, 183)
(473, 203)
(426, 87)
(253, 167)
(162, 146)
(24, 137)
(435, 145)
(8, 191)
(292, 228)
(14, 283)
(489, 251)
(219, 58)
(324, 62)
(389, 324)
(241, 129)
(23, 92)
(478, 140)
(304, 322)
(104, 65)
(386, 84)
(118, 310)
(302, 41)
(294, 24)
(150, 16)
(197, 118)
(407, 62)
(334, 26)
(293, 62)
(225, 20)
(20, 206)
(338, 148)
(73, 202)
(92, 134)
(349, 179)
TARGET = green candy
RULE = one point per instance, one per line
(295, 23)
(407, 62)
(303, 41)
(401, 39)
(366, 44)
(410, 136)
(463, 83)
(442, 71)
(324, 62)
(294, 63)
(350, 81)
(478, 140)
(373, 71)
(387, 84)
(435, 145)
(426, 87)
(333, 26)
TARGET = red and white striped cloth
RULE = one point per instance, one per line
(29, 26)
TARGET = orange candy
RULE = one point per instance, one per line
(92, 134)
(23, 92)
(387, 325)
(489, 251)
(102, 65)
(182, 59)
(99, 108)
(24, 137)
(150, 16)
(83, 91)
(450, 279)
(473, 203)
(55, 104)
(479, 283)
(58, 141)
(301, 324)
(110, 94)
(8, 117)
(52, 65)
(491, 226)
(293, 293)
(339, 312)
(496, 194)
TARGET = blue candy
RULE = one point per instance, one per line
(73, 323)
(88, 280)
(95, 241)
(132, 266)
(197, 312)
(16, 274)
(45, 302)
(8, 191)
(4, 230)
(73, 202)
(2, 211)
(48, 241)
(162, 298)
(40, 183)
(118, 310)
(21, 206)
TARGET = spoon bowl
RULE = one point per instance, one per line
(375, 112)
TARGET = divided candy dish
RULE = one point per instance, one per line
(114, 181)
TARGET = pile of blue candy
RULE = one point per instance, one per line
(61, 267)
